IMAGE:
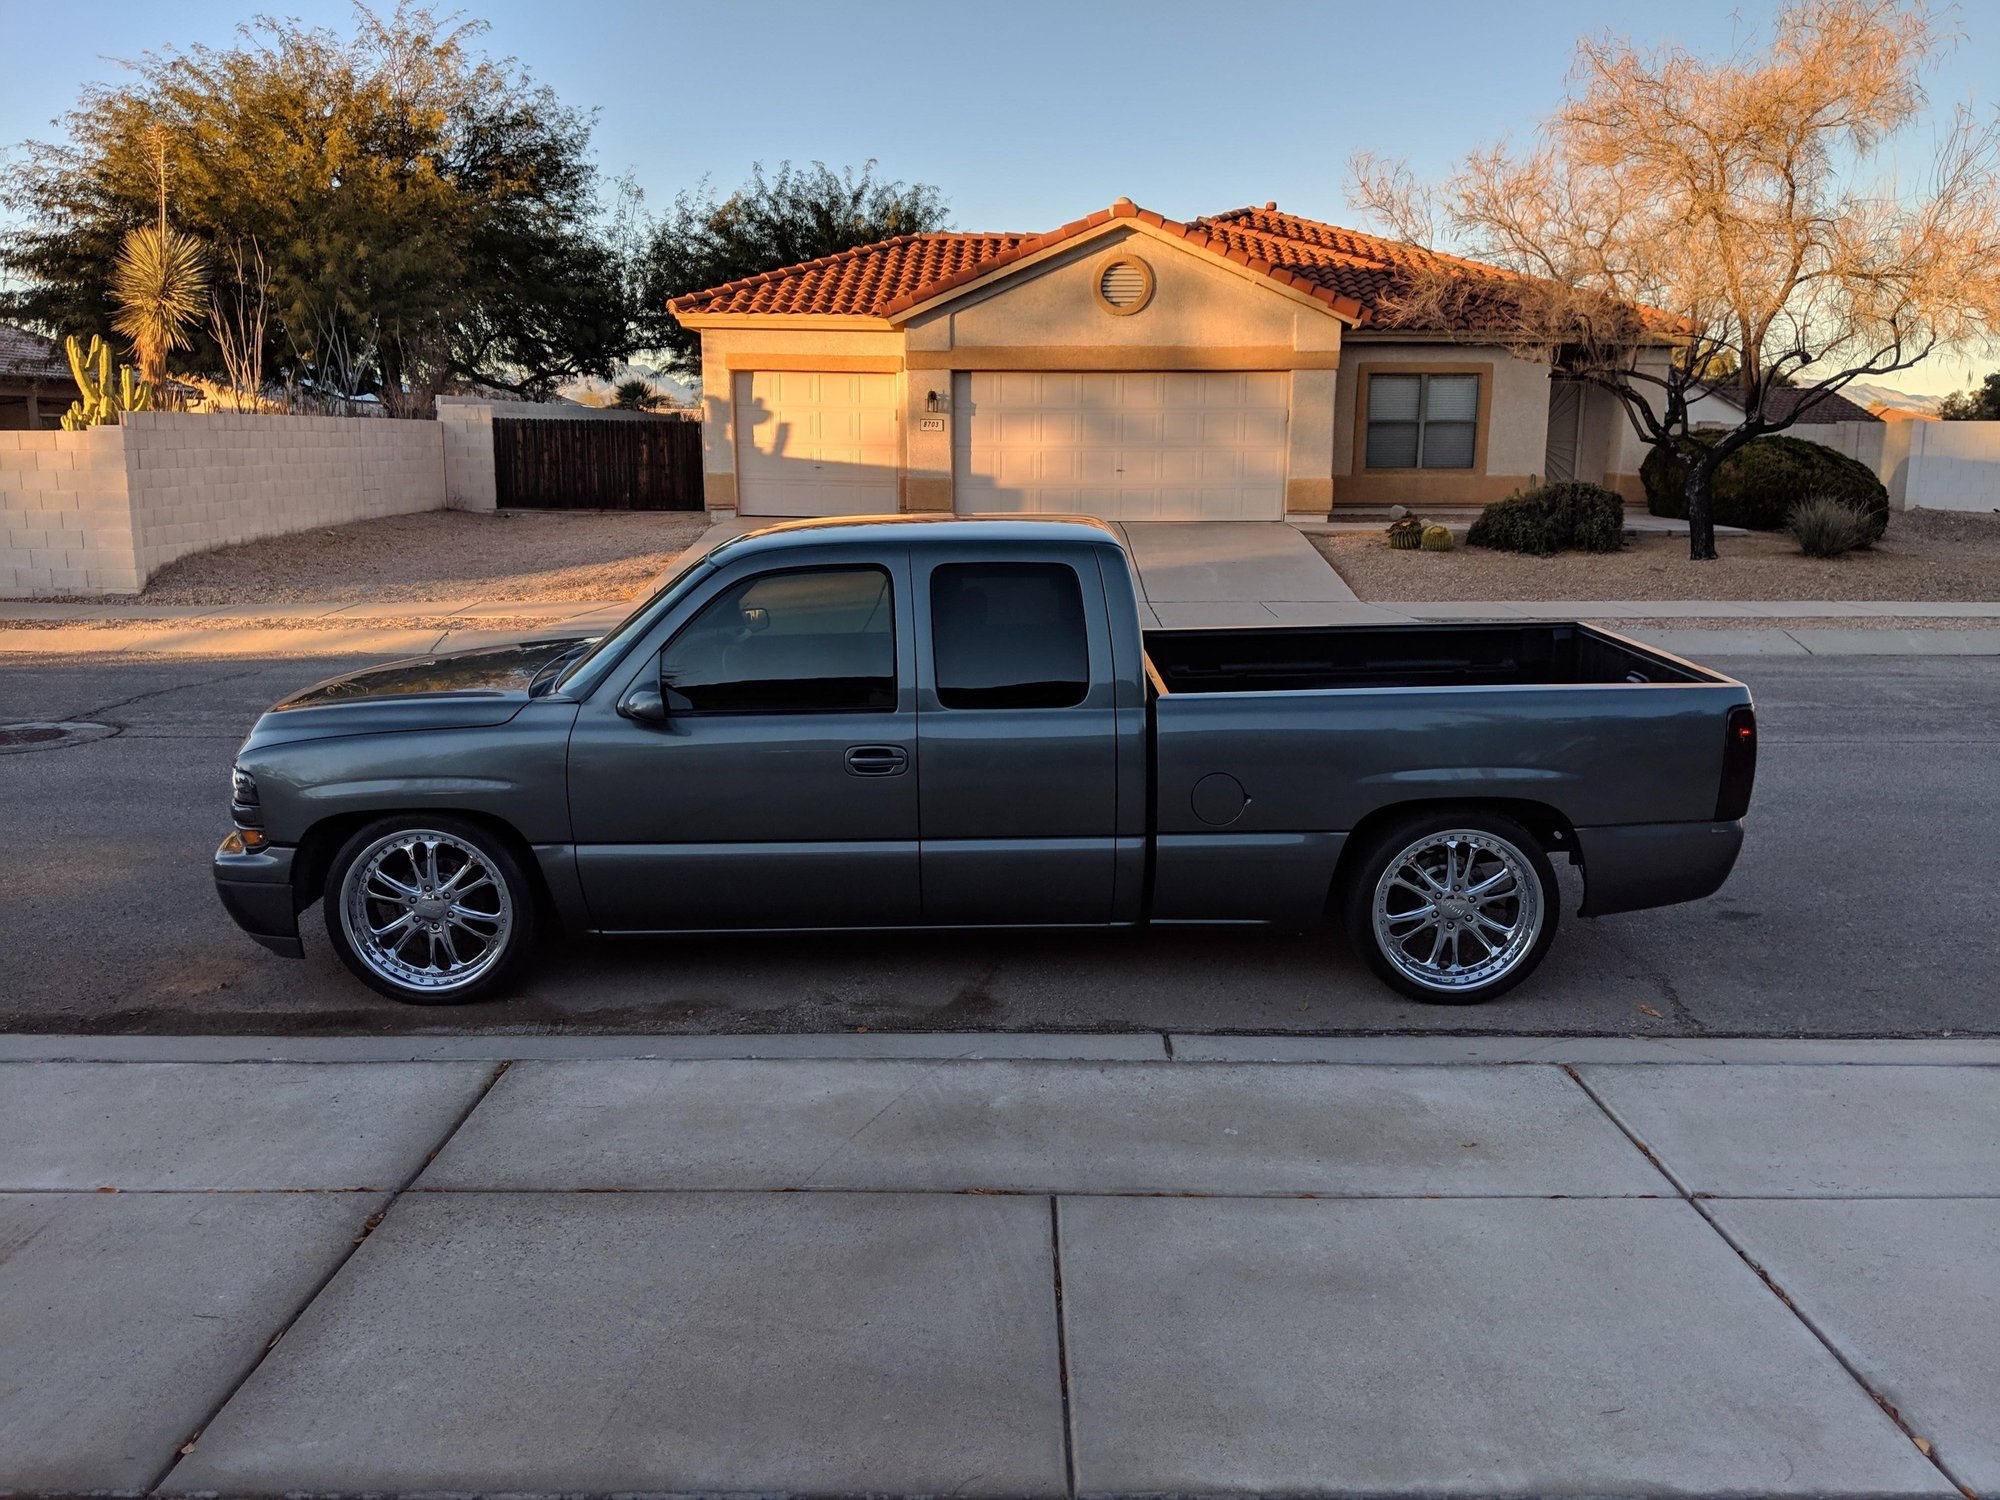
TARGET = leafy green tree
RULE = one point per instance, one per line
(428, 215)
(791, 216)
(1980, 404)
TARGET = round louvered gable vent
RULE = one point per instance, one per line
(1124, 285)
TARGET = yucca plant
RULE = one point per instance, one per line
(160, 286)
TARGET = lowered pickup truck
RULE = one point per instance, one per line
(920, 723)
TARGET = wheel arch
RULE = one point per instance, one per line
(323, 840)
(1550, 828)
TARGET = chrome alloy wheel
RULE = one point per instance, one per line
(426, 910)
(1457, 909)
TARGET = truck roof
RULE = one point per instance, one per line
(917, 530)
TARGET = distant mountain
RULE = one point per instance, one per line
(1889, 398)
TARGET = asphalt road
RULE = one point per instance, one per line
(1867, 902)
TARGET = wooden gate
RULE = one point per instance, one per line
(581, 463)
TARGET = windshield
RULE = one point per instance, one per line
(604, 653)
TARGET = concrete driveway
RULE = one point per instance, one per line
(1200, 573)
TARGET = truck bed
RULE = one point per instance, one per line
(1298, 659)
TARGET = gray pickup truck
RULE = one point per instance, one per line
(962, 723)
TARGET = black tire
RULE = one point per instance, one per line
(498, 895)
(1390, 845)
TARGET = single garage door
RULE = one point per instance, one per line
(816, 443)
(1154, 446)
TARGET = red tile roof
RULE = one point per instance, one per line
(1353, 273)
(855, 283)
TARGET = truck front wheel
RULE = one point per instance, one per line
(430, 910)
(1452, 906)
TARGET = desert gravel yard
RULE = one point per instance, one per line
(1927, 555)
(590, 557)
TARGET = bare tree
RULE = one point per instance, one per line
(237, 322)
(1681, 222)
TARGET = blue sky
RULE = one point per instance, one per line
(1026, 113)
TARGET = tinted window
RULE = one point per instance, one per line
(1009, 635)
(821, 641)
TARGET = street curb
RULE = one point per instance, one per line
(1155, 1047)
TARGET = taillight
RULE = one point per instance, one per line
(1739, 764)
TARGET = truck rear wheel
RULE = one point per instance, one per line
(1452, 906)
(430, 910)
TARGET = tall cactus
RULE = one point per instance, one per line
(102, 401)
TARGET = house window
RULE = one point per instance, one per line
(1009, 635)
(1422, 421)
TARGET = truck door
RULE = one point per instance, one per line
(779, 788)
(1017, 735)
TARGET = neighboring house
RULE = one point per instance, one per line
(1236, 368)
(35, 384)
(1722, 406)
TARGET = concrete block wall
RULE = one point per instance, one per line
(65, 514)
(466, 427)
(1923, 465)
(98, 512)
(1948, 465)
(212, 480)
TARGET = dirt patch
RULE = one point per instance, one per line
(1927, 555)
(544, 556)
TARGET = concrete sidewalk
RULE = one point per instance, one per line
(1647, 1273)
(1175, 598)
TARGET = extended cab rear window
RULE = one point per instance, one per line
(1009, 635)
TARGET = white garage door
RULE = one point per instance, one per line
(816, 443)
(1157, 446)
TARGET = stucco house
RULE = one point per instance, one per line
(1238, 367)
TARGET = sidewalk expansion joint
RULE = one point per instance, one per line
(1062, 1348)
(368, 1227)
(1698, 1201)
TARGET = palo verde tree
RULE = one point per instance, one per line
(1681, 221)
(768, 222)
(426, 214)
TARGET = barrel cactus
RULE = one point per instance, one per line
(1436, 539)
(1406, 534)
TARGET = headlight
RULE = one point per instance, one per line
(242, 787)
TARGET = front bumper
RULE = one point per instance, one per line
(1655, 864)
(256, 891)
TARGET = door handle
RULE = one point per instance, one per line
(877, 760)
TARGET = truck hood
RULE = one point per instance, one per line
(461, 689)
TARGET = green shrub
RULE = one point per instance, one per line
(1436, 539)
(1760, 484)
(1552, 518)
(1826, 526)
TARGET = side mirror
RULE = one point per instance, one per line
(644, 705)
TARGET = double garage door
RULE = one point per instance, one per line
(1146, 446)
